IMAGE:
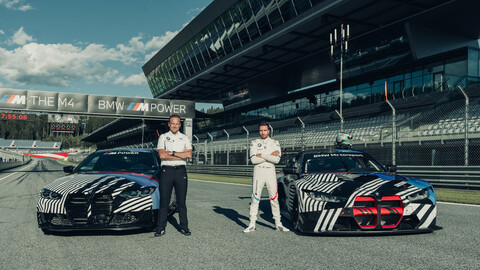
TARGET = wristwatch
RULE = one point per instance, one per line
(173, 153)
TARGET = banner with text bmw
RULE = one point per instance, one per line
(53, 102)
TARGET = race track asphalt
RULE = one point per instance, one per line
(217, 214)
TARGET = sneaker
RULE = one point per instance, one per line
(185, 232)
(159, 233)
(249, 229)
(281, 228)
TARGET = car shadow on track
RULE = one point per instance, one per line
(172, 220)
(233, 215)
(34, 171)
(242, 220)
(95, 232)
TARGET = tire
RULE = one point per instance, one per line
(295, 215)
(282, 198)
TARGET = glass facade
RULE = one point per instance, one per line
(239, 25)
(432, 77)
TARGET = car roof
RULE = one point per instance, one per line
(323, 151)
(126, 150)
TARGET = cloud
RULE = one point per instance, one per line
(135, 79)
(20, 37)
(32, 63)
(15, 5)
(58, 64)
(157, 43)
(195, 10)
(1, 32)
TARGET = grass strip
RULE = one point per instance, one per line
(65, 162)
(458, 196)
(221, 178)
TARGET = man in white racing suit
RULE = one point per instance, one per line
(264, 154)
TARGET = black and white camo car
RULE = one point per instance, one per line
(344, 191)
(111, 189)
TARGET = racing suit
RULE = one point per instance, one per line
(264, 173)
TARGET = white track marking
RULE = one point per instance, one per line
(14, 173)
(460, 204)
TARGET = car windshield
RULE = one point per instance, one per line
(342, 162)
(118, 161)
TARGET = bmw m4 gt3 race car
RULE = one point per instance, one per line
(344, 191)
(110, 189)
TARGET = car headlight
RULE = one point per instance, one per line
(324, 197)
(418, 196)
(48, 194)
(142, 192)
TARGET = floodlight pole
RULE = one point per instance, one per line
(467, 102)
(246, 150)
(343, 44)
(228, 144)
(341, 120)
(211, 142)
(303, 131)
(394, 132)
(205, 153)
(196, 150)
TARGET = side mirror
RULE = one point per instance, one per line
(291, 177)
(391, 168)
(68, 169)
(290, 170)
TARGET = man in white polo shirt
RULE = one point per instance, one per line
(173, 148)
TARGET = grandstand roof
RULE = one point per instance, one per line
(306, 35)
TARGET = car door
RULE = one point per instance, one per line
(289, 182)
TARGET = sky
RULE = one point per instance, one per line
(86, 46)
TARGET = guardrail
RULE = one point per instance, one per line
(459, 177)
(232, 170)
(12, 164)
(464, 177)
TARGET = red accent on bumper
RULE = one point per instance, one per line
(391, 212)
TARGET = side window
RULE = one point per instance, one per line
(296, 161)
(291, 162)
(88, 166)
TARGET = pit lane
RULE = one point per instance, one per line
(218, 213)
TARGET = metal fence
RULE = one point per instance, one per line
(433, 135)
(440, 176)
(440, 128)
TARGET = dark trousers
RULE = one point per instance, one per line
(173, 176)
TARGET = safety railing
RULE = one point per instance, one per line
(458, 177)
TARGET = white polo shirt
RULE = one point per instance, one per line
(174, 142)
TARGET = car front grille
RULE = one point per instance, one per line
(86, 209)
(378, 212)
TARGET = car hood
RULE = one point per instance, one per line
(100, 182)
(366, 177)
(349, 183)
